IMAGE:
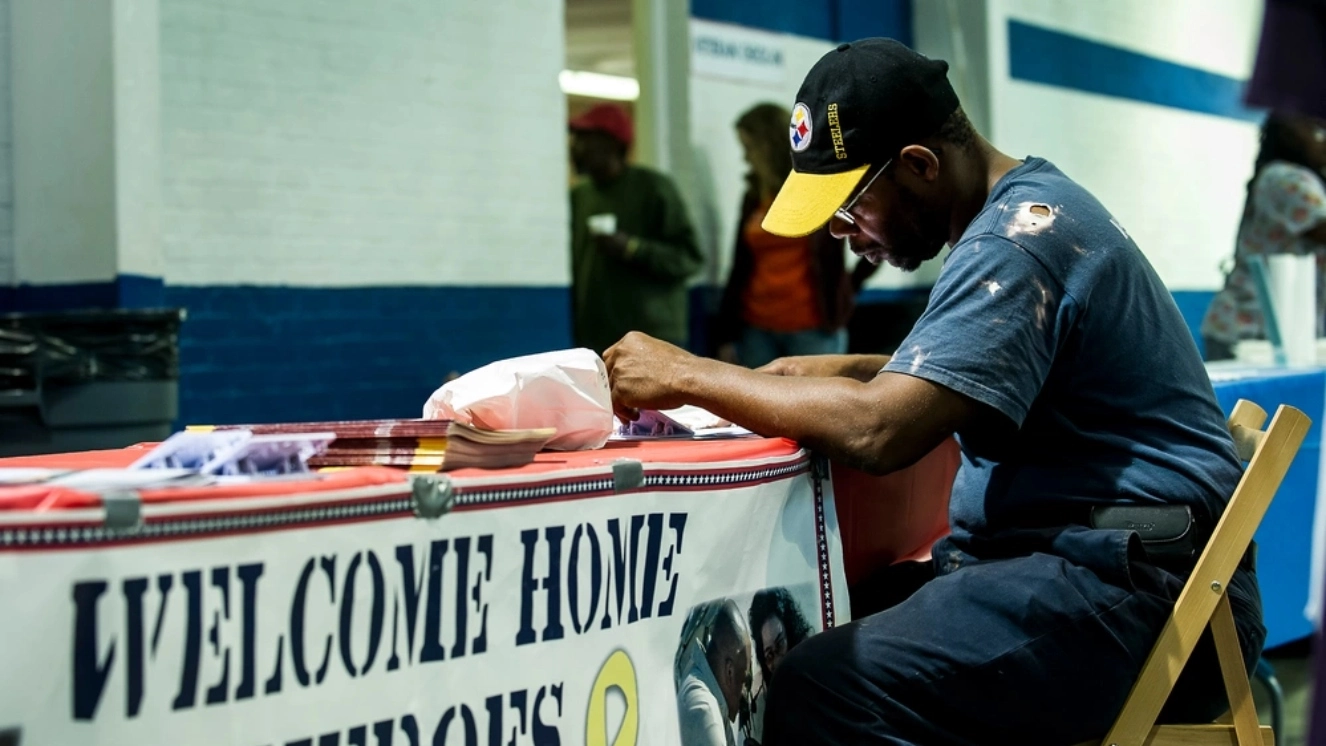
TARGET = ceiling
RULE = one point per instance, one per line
(598, 37)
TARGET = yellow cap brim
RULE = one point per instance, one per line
(807, 201)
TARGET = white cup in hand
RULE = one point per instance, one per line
(604, 224)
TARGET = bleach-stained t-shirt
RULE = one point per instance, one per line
(1047, 312)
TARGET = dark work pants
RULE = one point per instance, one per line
(1026, 650)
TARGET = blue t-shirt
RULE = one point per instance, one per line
(1047, 312)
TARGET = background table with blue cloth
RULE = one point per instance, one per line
(1285, 540)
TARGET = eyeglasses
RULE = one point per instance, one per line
(844, 213)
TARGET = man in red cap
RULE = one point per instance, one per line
(632, 244)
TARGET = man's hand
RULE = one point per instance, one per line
(859, 367)
(614, 244)
(644, 373)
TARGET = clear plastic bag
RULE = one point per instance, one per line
(566, 389)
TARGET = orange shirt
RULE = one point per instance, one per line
(781, 293)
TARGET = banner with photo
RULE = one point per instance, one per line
(555, 610)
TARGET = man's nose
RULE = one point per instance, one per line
(839, 228)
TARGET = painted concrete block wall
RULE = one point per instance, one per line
(136, 46)
(81, 140)
(63, 167)
(1174, 177)
(359, 199)
(349, 144)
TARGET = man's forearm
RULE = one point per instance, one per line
(838, 416)
(864, 367)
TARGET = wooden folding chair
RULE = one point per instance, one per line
(1203, 601)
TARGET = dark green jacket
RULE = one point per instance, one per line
(646, 292)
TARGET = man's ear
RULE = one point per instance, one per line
(920, 161)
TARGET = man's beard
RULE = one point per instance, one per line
(912, 259)
(910, 263)
(917, 248)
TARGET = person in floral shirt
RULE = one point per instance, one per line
(1285, 212)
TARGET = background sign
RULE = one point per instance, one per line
(722, 51)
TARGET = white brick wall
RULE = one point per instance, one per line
(348, 143)
(1215, 35)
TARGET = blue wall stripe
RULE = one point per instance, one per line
(268, 354)
(125, 291)
(858, 19)
(137, 291)
(833, 20)
(1042, 55)
(264, 354)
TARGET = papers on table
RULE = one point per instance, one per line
(235, 453)
(683, 423)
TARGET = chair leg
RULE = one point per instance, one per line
(1266, 675)
(1243, 713)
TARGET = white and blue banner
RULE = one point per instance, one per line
(541, 609)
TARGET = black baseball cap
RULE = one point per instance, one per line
(858, 106)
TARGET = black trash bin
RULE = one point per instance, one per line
(84, 380)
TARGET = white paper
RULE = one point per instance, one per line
(190, 449)
(687, 422)
(604, 224)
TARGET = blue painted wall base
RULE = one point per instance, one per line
(125, 291)
(267, 354)
(263, 354)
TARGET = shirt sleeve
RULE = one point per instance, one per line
(699, 717)
(674, 252)
(1290, 196)
(991, 329)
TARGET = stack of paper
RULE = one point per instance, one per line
(434, 445)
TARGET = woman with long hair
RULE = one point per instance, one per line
(784, 296)
(776, 626)
(1283, 213)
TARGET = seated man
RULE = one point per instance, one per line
(1057, 356)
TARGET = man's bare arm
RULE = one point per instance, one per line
(878, 426)
(859, 367)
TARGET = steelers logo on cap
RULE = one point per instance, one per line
(800, 127)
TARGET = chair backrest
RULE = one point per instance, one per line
(1202, 601)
